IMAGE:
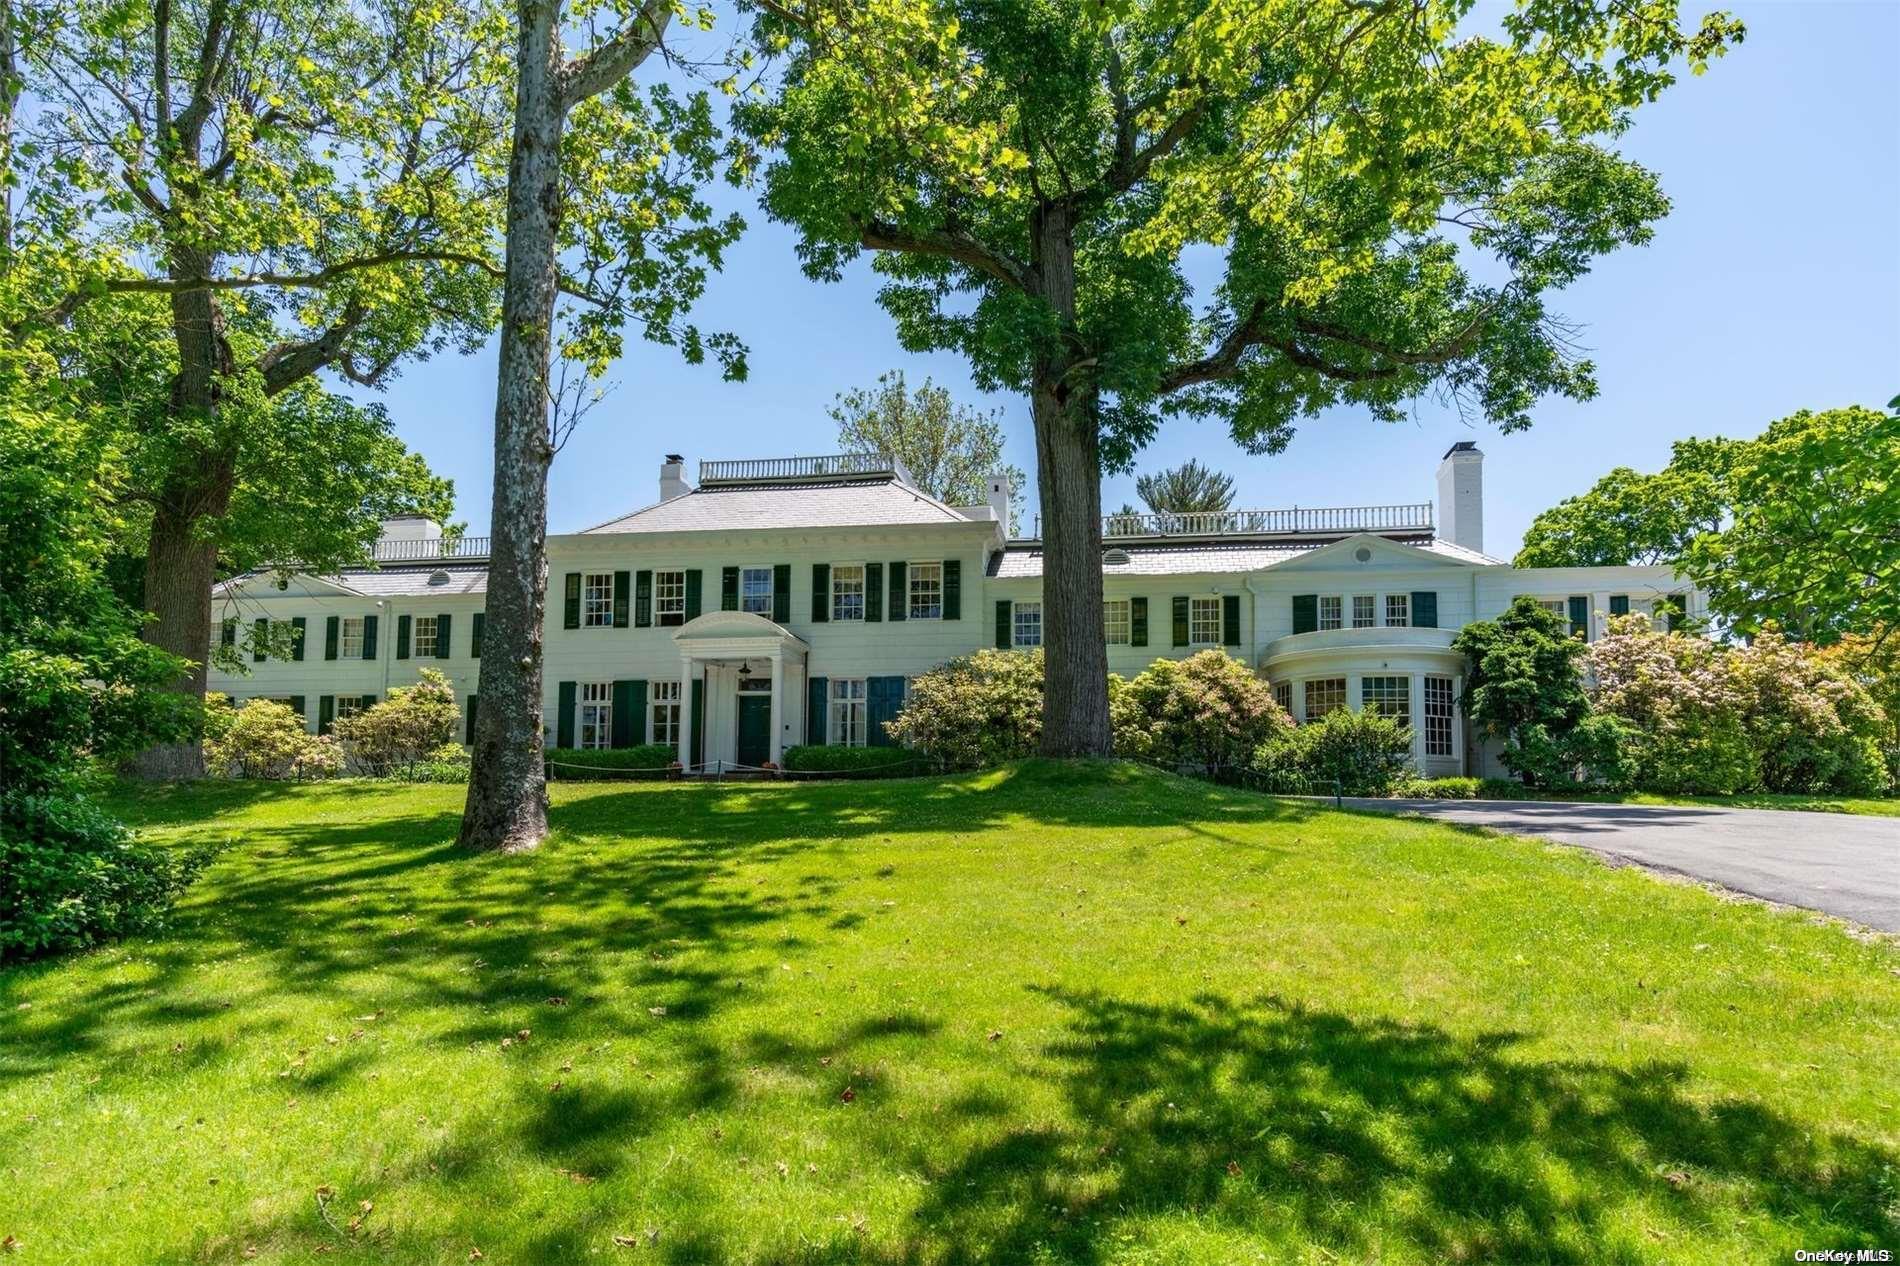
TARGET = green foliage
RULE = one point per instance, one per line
(1631, 518)
(1361, 753)
(1814, 728)
(1206, 713)
(1522, 686)
(579, 764)
(950, 449)
(1186, 488)
(870, 762)
(265, 739)
(1439, 788)
(403, 729)
(1683, 706)
(975, 711)
(71, 876)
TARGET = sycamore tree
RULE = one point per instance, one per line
(302, 186)
(603, 211)
(950, 449)
(1390, 189)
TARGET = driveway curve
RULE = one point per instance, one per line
(1833, 862)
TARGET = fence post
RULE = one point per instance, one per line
(1337, 802)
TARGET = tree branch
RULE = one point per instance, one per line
(953, 244)
(607, 65)
(1132, 164)
(1224, 361)
(289, 363)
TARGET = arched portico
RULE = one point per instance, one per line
(725, 654)
(1413, 672)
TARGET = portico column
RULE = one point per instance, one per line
(778, 703)
(1415, 708)
(686, 712)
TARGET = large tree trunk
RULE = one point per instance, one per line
(1069, 480)
(180, 567)
(507, 786)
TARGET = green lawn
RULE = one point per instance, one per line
(1051, 1014)
(1880, 807)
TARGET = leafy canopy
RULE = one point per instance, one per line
(1185, 489)
(1632, 518)
(950, 449)
(1393, 193)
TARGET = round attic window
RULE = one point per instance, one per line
(1363, 554)
(1115, 558)
(438, 578)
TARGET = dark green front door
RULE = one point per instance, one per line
(755, 729)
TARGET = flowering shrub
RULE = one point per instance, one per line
(1364, 753)
(977, 710)
(403, 729)
(1682, 705)
(264, 739)
(1814, 728)
(1208, 712)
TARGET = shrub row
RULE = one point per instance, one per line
(583, 764)
(868, 762)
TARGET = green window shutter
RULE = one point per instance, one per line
(699, 721)
(953, 589)
(297, 627)
(1425, 608)
(820, 592)
(629, 703)
(227, 633)
(692, 595)
(261, 630)
(1003, 610)
(642, 599)
(326, 711)
(815, 710)
(369, 637)
(475, 638)
(468, 732)
(623, 585)
(782, 593)
(564, 715)
(900, 591)
(1305, 612)
(1230, 619)
(402, 637)
(297, 705)
(883, 699)
(332, 634)
(1181, 632)
(444, 640)
(729, 589)
(369, 701)
(1579, 616)
(1137, 621)
(873, 592)
(1619, 604)
(571, 600)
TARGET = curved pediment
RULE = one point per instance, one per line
(734, 625)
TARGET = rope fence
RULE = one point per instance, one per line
(716, 770)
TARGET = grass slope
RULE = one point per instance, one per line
(1050, 1014)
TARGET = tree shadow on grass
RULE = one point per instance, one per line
(1270, 1120)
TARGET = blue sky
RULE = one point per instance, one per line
(1774, 285)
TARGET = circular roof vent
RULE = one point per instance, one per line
(1363, 554)
(438, 578)
(1115, 558)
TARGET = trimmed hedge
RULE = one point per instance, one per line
(578, 764)
(1439, 789)
(866, 762)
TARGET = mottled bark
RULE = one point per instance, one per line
(1069, 479)
(507, 786)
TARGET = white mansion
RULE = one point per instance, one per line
(789, 601)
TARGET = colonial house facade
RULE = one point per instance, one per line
(785, 601)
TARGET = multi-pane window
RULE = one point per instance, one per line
(1204, 621)
(847, 591)
(1323, 695)
(424, 642)
(1365, 610)
(755, 590)
(1438, 714)
(1283, 695)
(1388, 697)
(597, 600)
(597, 713)
(1329, 605)
(1026, 624)
(665, 712)
(847, 711)
(1398, 610)
(1556, 606)
(350, 639)
(1115, 621)
(669, 598)
(926, 591)
(348, 705)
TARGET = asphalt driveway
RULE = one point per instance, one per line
(1835, 862)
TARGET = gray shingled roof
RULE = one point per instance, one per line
(1025, 561)
(750, 507)
(395, 582)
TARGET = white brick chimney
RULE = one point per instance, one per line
(673, 477)
(999, 499)
(1461, 496)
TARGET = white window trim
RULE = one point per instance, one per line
(603, 704)
(860, 703)
(1378, 609)
(771, 586)
(864, 594)
(589, 603)
(1127, 606)
(415, 637)
(671, 702)
(1220, 620)
(1450, 717)
(659, 618)
(910, 574)
(343, 648)
(1319, 613)
(1015, 625)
